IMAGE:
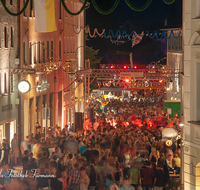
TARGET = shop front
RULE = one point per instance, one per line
(8, 129)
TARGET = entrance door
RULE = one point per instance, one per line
(31, 111)
(1, 133)
(7, 131)
(12, 130)
(26, 115)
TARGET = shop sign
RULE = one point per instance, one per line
(42, 86)
(6, 107)
(23, 71)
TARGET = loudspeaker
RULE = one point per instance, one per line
(78, 120)
(91, 113)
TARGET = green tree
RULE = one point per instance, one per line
(92, 55)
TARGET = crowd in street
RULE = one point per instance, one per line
(122, 149)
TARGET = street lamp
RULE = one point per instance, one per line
(24, 86)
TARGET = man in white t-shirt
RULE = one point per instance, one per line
(25, 145)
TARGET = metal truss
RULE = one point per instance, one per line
(148, 73)
(106, 74)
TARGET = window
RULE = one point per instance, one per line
(43, 52)
(5, 37)
(12, 83)
(5, 83)
(60, 10)
(59, 49)
(38, 52)
(30, 51)
(25, 12)
(12, 44)
(68, 45)
(172, 44)
(34, 53)
(72, 8)
(47, 49)
(31, 11)
(24, 52)
(71, 45)
(11, 2)
(176, 44)
(51, 49)
(180, 43)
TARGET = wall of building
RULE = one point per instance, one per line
(8, 82)
(37, 50)
(191, 28)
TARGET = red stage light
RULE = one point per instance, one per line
(112, 66)
(160, 81)
(127, 80)
(135, 67)
(125, 67)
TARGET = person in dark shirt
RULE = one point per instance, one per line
(159, 177)
(166, 173)
(53, 164)
(56, 181)
(93, 177)
(102, 145)
(147, 175)
(37, 135)
(42, 182)
(25, 161)
(88, 154)
(32, 162)
(61, 166)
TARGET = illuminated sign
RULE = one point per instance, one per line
(42, 86)
(23, 71)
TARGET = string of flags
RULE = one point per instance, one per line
(136, 38)
(132, 36)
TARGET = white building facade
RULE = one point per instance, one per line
(191, 93)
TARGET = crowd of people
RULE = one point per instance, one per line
(126, 155)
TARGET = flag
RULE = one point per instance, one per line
(136, 38)
(45, 16)
(131, 59)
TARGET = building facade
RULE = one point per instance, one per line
(9, 101)
(49, 54)
(174, 61)
(191, 103)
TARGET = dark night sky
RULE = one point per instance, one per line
(124, 18)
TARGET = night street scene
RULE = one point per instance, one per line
(99, 94)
